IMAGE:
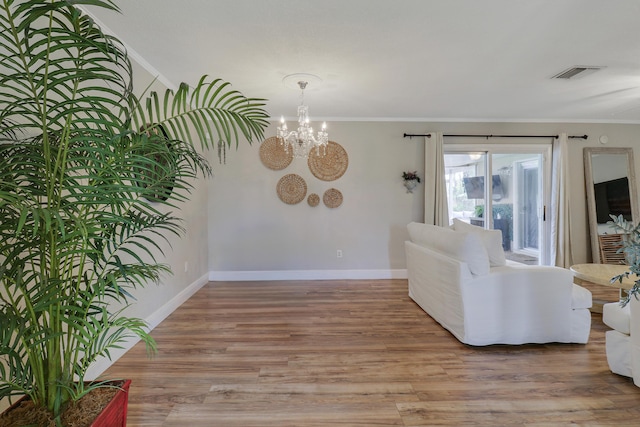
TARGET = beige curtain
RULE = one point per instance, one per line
(435, 189)
(560, 253)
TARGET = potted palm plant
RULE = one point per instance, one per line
(90, 176)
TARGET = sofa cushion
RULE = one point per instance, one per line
(580, 297)
(491, 239)
(465, 247)
(616, 317)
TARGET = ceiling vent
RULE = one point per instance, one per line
(576, 72)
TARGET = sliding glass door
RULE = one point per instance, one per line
(513, 203)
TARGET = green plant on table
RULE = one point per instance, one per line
(631, 249)
(411, 176)
(89, 177)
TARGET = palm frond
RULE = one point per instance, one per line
(15, 374)
(63, 74)
(209, 113)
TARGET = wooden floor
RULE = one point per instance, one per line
(357, 353)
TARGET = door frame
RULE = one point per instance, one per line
(519, 167)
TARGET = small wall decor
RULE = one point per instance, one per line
(331, 164)
(313, 200)
(332, 198)
(291, 189)
(273, 154)
(411, 179)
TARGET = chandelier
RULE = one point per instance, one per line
(303, 140)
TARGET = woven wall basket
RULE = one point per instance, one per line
(330, 166)
(273, 154)
(291, 189)
(332, 198)
(313, 200)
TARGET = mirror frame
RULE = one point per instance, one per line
(591, 202)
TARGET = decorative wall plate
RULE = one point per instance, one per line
(291, 189)
(273, 154)
(330, 166)
(332, 198)
(313, 200)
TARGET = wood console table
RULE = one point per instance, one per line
(601, 274)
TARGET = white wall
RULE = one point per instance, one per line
(253, 235)
(251, 230)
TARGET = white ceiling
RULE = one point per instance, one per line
(431, 60)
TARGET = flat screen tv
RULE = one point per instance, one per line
(474, 187)
(612, 198)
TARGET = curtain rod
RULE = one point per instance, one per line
(428, 135)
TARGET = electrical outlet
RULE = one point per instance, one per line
(339, 253)
(186, 266)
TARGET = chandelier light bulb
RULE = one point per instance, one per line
(302, 140)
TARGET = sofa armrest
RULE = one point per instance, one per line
(434, 284)
(519, 304)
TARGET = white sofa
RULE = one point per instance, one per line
(623, 342)
(460, 277)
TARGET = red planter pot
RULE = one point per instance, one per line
(113, 415)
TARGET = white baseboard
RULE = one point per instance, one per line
(222, 276)
(153, 320)
(163, 312)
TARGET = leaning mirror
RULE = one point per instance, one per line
(611, 190)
